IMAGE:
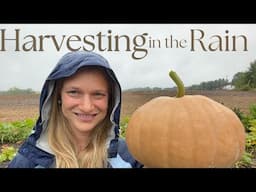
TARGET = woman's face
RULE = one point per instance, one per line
(84, 99)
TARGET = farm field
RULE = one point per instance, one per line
(19, 107)
(231, 99)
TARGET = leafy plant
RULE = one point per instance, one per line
(252, 109)
(123, 126)
(245, 119)
(15, 131)
(251, 136)
(238, 112)
(245, 161)
(7, 154)
(249, 122)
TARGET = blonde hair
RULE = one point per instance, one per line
(61, 138)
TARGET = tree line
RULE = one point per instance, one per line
(240, 81)
(16, 91)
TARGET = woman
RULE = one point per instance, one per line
(78, 125)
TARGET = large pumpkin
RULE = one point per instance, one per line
(191, 131)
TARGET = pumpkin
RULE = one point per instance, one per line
(186, 131)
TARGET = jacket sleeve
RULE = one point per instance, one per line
(19, 161)
(126, 155)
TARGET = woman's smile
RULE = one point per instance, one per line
(86, 117)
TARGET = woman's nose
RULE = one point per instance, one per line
(86, 103)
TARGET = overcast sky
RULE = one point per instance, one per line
(205, 52)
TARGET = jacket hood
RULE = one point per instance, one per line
(67, 66)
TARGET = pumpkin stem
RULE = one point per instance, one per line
(179, 83)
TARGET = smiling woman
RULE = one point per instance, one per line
(78, 125)
(84, 100)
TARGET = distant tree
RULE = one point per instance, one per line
(245, 80)
(15, 90)
(211, 85)
(251, 75)
(156, 89)
(239, 80)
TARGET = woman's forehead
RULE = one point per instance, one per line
(93, 77)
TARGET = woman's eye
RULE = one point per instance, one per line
(72, 92)
(99, 95)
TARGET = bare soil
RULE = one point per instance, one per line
(231, 99)
(20, 107)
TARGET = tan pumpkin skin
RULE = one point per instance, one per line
(193, 131)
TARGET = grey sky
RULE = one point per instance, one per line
(28, 69)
